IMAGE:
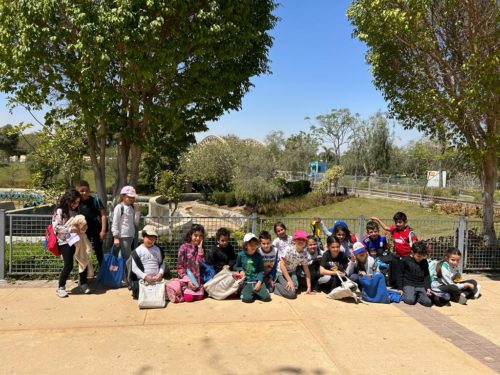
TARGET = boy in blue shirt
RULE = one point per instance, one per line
(376, 245)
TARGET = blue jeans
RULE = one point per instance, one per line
(412, 294)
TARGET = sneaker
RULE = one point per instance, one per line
(462, 300)
(478, 293)
(61, 292)
(84, 288)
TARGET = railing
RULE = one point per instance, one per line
(22, 251)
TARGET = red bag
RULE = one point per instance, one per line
(51, 241)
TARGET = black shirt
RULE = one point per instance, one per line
(219, 257)
(415, 274)
(91, 209)
(339, 263)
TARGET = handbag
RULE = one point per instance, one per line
(152, 295)
(50, 242)
(374, 289)
(222, 285)
(347, 289)
(111, 272)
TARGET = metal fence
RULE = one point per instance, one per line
(22, 252)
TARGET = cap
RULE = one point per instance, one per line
(340, 223)
(129, 190)
(358, 248)
(248, 237)
(300, 234)
(150, 230)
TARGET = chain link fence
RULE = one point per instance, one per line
(22, 252)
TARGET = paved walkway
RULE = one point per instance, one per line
(106, 333)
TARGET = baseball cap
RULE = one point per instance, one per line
(149, 230)
(358, 248)
(129, 190)
(300, 234)
(248, 237)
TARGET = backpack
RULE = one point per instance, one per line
(50, 242)
(374, 289)
(207, 272)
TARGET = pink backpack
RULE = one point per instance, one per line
(51, 241)
(174, 291)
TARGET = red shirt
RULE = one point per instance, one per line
(401, 240)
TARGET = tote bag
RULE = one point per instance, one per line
(152, 295)
(222, 285)
(374, 289)
(111, 272)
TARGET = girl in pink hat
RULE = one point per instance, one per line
(126, 216)
(292, 256)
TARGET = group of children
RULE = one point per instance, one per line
(283, 266)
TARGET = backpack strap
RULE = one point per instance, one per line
(137, 260)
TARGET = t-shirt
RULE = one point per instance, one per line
(270, 261)
(378, 245)
(339, 263)
(293, 258)
(91, 209)
(415, 273)
(219, 257)
(151, 260)
(253, 265)
(281, 244)
(401, 240)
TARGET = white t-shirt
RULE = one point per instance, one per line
(293, 258)
(280, 244)
(151, 260)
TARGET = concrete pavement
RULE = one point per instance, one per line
(106, 333)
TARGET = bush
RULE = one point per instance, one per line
(218, 197)
(297, 188)
(231, 199)
(295, 204)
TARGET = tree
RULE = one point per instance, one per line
(133, 69)
(332, 176)
(436, 63)
(171, 186)
(335, 128)
(299, 150)
(9, 139)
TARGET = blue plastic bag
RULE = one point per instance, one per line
(374, 289)
(207, 272)
(111, 272)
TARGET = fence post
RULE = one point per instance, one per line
(2, 247)
(369, 186)
(361, 226)
(254, 222)
(462, 228)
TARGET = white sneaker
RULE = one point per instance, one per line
(478, 293)
(61, 292)
(462, 300)
(84, 288)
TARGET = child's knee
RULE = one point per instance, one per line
(410, 300)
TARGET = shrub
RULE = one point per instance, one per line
(297, 188)
(295, 204)
(218, 197)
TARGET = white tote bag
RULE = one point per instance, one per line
(222, 285)
(346, 290)
(151, 295)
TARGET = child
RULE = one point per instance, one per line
(126, 216)
(66, 209)
(376, 245)
(333, 263)
(222, 254)
(250, 265)
(282, 241)
(448, 279)
(415, 279)
(313, 258)
(342, 232)
(360, 264)
(293, 256)
(403, 238)
(95, 216)
(150, 258)
(270, 257)
(188, 267)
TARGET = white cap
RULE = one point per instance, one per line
(150, 230)
(128, 190)
(248, 237)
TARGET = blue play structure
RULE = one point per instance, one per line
(317, 167)
(33, 199)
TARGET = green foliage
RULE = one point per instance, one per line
(297, 188)
(332, 176)
(292, 205)
(171, 186)
(9, 139)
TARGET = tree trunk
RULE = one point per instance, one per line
(135, 159)
(97, 160)
(122, 164)
(489, 174)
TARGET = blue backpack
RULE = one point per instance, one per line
(374, 289)
(207, 272)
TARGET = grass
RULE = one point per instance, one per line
(426, 222)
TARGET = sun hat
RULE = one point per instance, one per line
(149, 230)
(300, 234)
(358, 248)
(129, 190)
(248, 237)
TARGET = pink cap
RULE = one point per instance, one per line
(129, 190)
(300, 234)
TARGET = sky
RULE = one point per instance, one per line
(316, 66)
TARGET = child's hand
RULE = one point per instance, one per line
(225, 267)
(375, 218)
(469, 286)
(290, 285)
(272, 283)
(353, 258)
(429, 292)
(149, 278)
(257, 286)
(318, 219)
(191, 285)
(362, 273)
(116, 242)
(137, 206)
(159, 276)
(341, 274)
(400, 292)
(308, 291)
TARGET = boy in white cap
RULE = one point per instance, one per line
(250, 265)
(360, 264)
(147, 260)
(126, 216)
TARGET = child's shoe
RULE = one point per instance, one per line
(61, 292)
(462, 300)
(478, 293)
(84, 288)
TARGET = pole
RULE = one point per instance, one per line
(2, 247)
(462, 228)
